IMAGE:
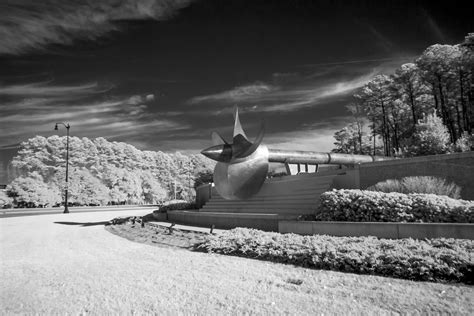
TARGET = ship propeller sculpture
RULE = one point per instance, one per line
(242, 166)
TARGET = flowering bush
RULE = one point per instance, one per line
(438, 260)
(370, 206)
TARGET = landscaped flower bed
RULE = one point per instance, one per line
(369, 206)
(439, 260)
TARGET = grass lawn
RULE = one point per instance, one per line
(337, 292)
(69, 264)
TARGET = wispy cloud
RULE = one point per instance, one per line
(45, 89)
(434, 28)
(285, 99)
(320, 140)
(381, 40)
(237, 94)
(304, 90)
(29, 25)
(32, 109)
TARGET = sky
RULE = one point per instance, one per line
(163, 74)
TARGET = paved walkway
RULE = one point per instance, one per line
(69, 264)
(16, 212)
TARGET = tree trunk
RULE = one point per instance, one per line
(435, 97)
(385, 131)
(412, 104)
(449, 121)
(470, 103)
(374, 136)
(397, 145)
(459, 120)
(465, 112)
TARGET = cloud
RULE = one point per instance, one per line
(44, 89)
(241, 93)
(89, 113)
(318, 136)
(382, 40)
(286, 99)
(31, 25)
(304, 90)
(434, 28)
(319, 140)
(139, 99)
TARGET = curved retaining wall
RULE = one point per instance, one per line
(457, 167)
(380, 230)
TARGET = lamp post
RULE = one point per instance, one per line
(66, 209)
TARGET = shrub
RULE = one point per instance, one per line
(464, 143)
(428, 260)
(431, 137)
(390, 185)
(369, 206)
(424, 184)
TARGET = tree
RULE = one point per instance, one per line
(204, 176)
(153, 192)
(431, 137)
(412, 90)
(375, 96)
(85, 189)
(5, 200)
(442, 66)
(33, 192)
(108, 172)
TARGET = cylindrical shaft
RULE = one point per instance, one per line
(311, 157)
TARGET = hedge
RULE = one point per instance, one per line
(369, 206)
(438, 260)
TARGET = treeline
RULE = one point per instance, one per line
(100, 173)
(427, 102)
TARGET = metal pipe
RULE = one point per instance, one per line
(311, 157)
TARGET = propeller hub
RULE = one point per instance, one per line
(221, 153)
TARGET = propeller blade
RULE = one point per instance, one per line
(217, 139)
(258, 140)
(237, 126)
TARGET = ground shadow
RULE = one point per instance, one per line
(83, 224)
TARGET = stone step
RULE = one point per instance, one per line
(293, 185)
(310, 193)
(261, 205)
(253, 210)
(269, 199)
